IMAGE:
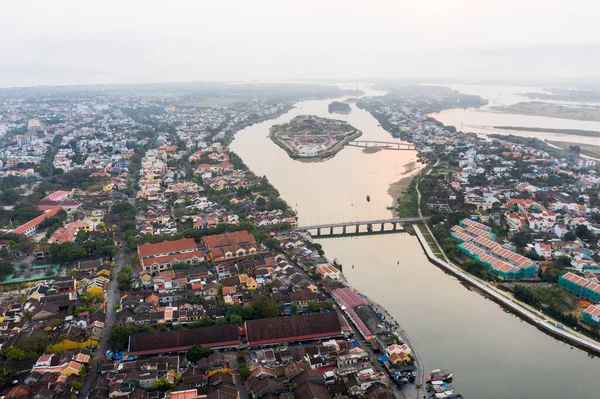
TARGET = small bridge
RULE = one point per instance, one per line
(385, 145)
(359, 227)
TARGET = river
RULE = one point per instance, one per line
(482, 120)
(492, 353)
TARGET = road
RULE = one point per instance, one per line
(421, 213)
(112, 298)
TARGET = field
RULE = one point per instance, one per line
(552, 110)
(210, 102)
(586, 149)
(576, 132)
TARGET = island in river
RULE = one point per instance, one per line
(339, 108)
(310, 137)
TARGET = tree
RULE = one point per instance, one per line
(15, 354)
(522, 238)
(76, 385)
(162, 385)
(124, 278)
(6, 268)
(119, 336)
(583, 232)
(197, 352)
(101, 226)
(245, 372)
(570, 236)
(235, 319)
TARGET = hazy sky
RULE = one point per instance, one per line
(79, 41)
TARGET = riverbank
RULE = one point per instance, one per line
(586, 149)
(562, 111)
(574, 132)
(400, 188)
(544, 324)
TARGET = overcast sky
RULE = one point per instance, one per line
(77, 42)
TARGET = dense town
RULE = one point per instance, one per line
(142, 259)
(515, 212)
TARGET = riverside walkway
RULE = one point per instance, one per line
(541, 323)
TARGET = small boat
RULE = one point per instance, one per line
(439, 375)
(368, 198)
(389, 207)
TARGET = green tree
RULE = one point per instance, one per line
(76, 385)
(15, 354)
(6, 268)
(570, 236)
(245, 372)
(522, 238)
(162, 385)
(124, 278)
(197, 352)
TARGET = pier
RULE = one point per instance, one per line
(384, 145)
(364, 227)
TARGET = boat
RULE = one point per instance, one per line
(389, 207)
(368, 198)
(439, 375)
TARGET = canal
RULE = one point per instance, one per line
(492, 353)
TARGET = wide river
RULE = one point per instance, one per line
(483, 120)
(493, 354)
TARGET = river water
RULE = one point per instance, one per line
(482, 120)
(492, 353)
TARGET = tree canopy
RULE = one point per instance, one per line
(197, 352)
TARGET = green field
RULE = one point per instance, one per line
(586, 149)
(211, 102)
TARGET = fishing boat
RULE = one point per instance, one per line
(368, 198)
(439, 375)
(389, 207)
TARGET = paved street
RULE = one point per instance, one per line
(112, 298)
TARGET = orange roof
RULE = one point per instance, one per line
(593, 310)
(50, 211)
(228, 239)
(189, 394)
(174, 258)
(165, 247)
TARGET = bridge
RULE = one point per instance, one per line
(367, 226)
(385, 145)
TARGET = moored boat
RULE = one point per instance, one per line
(440, 375)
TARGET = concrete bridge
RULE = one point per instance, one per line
(386, 145)
(367, 226)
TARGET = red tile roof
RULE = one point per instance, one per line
(167, 247)
(50, 211)
(294, 328)
(179, 341)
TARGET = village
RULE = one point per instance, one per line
(513, 211)
(143, 259)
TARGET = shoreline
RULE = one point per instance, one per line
(398, 189)
(543, 324)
